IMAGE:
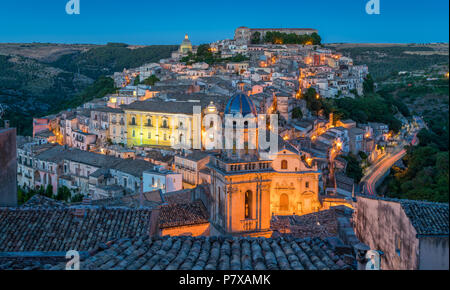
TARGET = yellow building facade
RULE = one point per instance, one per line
(168, 124)
(160, 129)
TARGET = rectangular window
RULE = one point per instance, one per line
(307, 184)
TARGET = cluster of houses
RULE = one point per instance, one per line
(142, 122)
(139, 149)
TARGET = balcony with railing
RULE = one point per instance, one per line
(249, 225)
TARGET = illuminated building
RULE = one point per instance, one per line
(186, 45)
(247, 189)
(162, 123)
(243, 35)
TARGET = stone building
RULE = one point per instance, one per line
(242, 35)
(8, 166)
(189, 165)
(413, 235)
(247, 189)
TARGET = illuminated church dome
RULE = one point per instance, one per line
(186, 45)
(240, 103)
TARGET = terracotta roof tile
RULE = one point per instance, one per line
(217, 253)
(182, 214)
(50, 229)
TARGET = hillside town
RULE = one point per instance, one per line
(131, 181)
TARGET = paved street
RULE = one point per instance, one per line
(379, 169)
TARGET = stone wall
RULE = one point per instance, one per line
(384, 226)
(434, 253)
(8, 167)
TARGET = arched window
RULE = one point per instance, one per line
(248, 204)
(181, 138)
(165, 123)
(134, 133)
(284, 202)
(284, 164)
(133, 120)
(149, 122)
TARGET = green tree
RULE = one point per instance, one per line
(151, 80)
(49, 191)
(77, 198)
(63, 193)
(316, 39)
(256, 37)
(137, 80)
(368, 85)
(353, 168)
(297, 113)
(204, 51)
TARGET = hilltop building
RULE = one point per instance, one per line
(242, 35)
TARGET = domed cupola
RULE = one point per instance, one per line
(240, 103)
(186, 45)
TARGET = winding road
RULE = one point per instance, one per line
(379, 169)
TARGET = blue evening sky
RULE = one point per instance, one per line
(166, 21)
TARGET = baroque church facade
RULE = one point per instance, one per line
(247, 190)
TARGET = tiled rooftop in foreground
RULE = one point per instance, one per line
(218, 253)
(428, 218)
(60, 229)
